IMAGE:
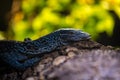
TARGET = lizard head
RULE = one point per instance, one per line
(73, 35)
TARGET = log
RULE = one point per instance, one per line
(84, 60)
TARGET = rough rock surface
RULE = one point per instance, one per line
(84, 60)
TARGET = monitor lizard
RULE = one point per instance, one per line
(23, 54)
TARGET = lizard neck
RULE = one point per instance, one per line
(50, 39)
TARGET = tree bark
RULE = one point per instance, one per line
(84, 60)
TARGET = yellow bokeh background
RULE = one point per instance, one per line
(35, 18)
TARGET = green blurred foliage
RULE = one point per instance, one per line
(39, 17)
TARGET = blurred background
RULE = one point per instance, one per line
(35, 18)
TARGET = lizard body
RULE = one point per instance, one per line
(21, 55)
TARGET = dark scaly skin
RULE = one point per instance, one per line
(22, 55)
(10, 54)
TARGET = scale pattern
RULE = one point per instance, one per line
(21, 55)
